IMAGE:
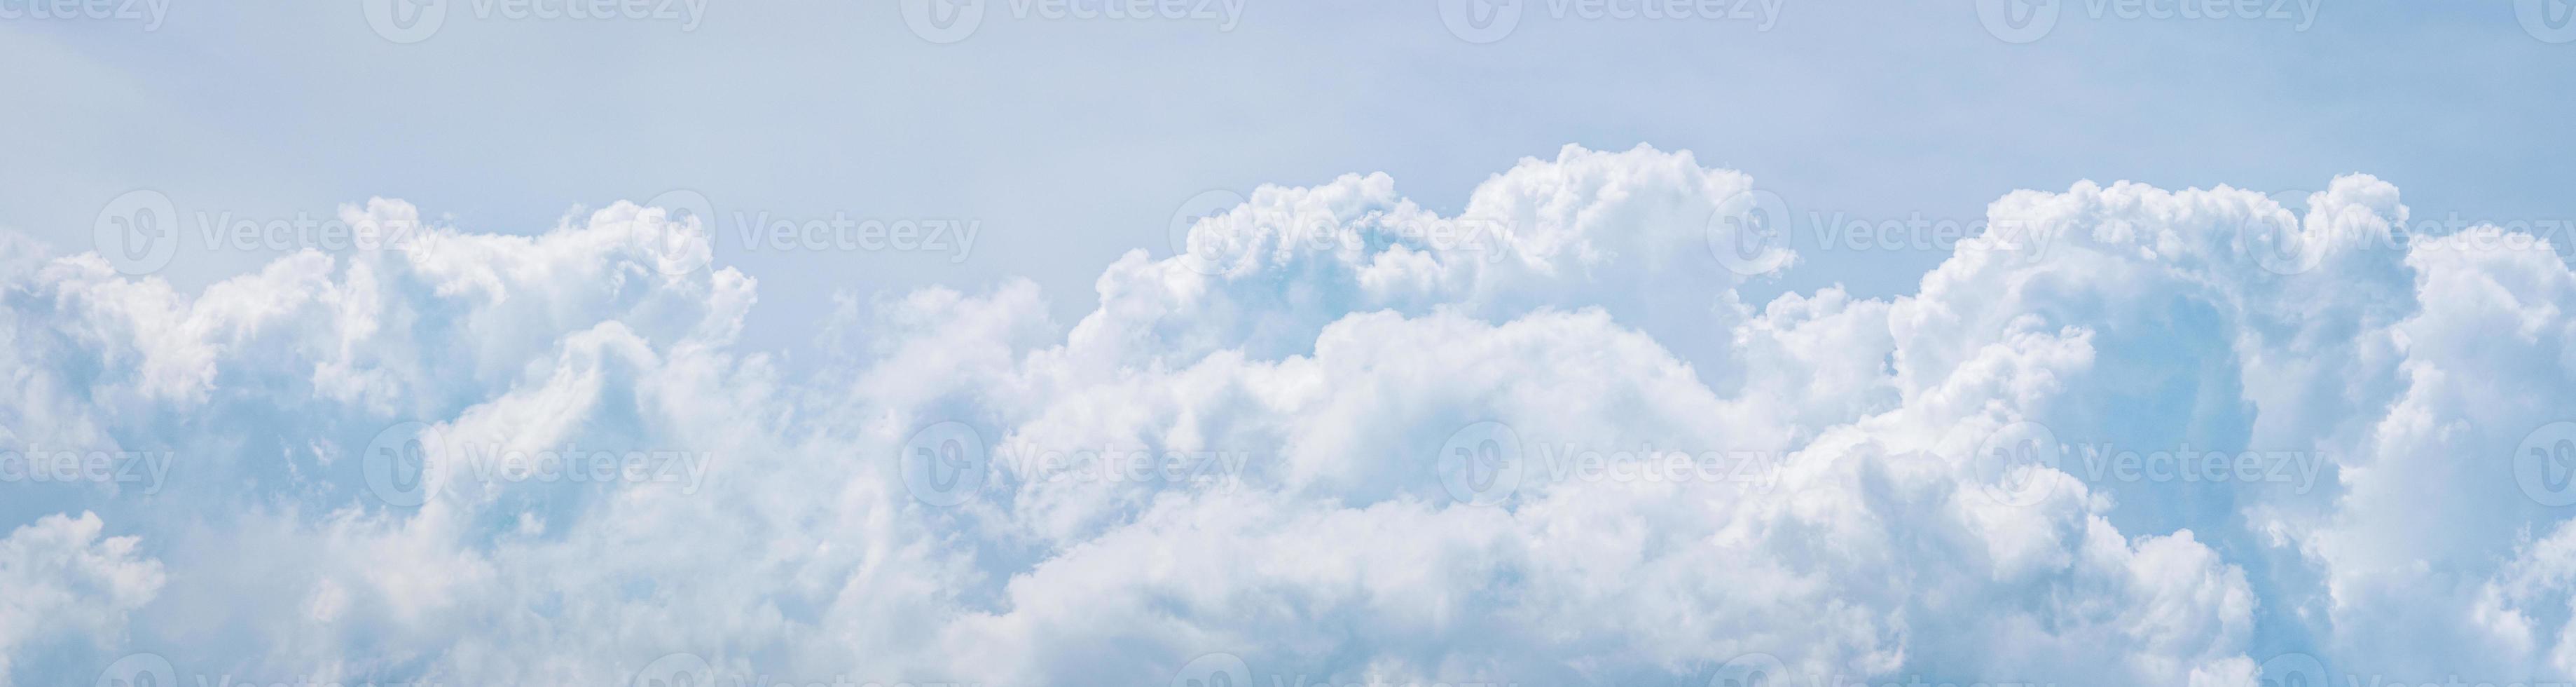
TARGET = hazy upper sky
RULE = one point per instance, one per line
(1069, 140)
(2360, 458)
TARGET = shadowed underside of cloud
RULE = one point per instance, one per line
(1567, 454)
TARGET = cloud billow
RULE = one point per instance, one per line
(1364, 447)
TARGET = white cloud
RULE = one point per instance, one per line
(63, 581)
(1856, 530)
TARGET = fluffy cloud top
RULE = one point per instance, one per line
(1564, 452)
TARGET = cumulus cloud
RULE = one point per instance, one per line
(66, 583)
(1346, 439)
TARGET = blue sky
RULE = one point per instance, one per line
(1071, 140)
(1491, 404)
